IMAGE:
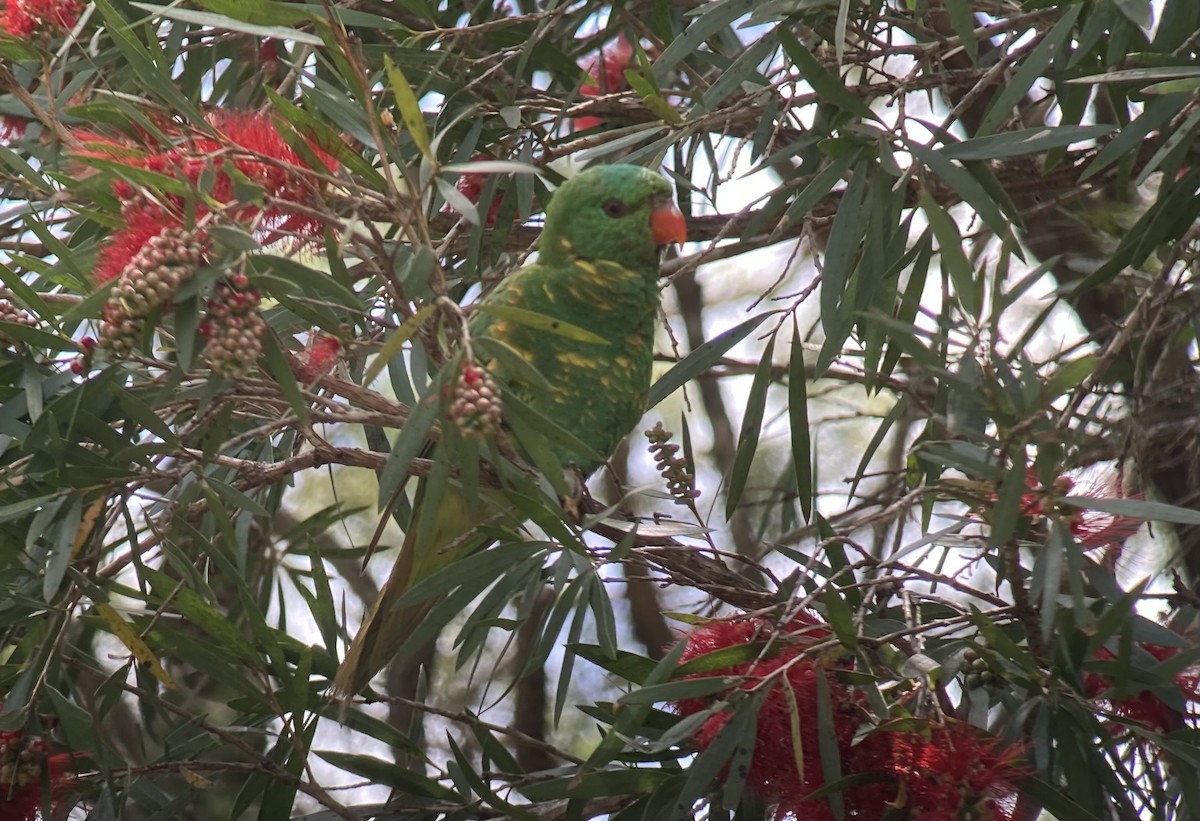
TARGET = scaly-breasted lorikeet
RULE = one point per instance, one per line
(598, 271)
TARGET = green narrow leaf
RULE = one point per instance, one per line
(1157, 113)
(1031, 68)
(567, 667)
(962, 20)
(67, 529)
(841, 618)
(280, 368)
(410, 109)
(622, 782)
(1054, 800)
(1138, 12)
(190, 604)
(965, 185)
(815, 191)
(24, 295)
(480, 787)
(220, 21)
(738, 732)
(1025, 141)
(401, 778)
(894, 415)
(631, 717)
(829, 87)
(408, 444)
(139, 60)
(321, 602)
(839, 41)
(756, 405)
(841, 252)
(740, 71)
(954, 259)
(1006, 512)
(602, 611)
(712, 18)
(830, 753)
(494, 750)
(394, 344)
(798, 421)
(679, 689)
(629, 666)
(474, 570)
(701, 359)
(1136, 509)
(1178, 136)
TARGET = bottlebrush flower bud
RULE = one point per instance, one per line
(681, 482)
(17, 316)
(234, 328)
(476, 406)
(156, 271)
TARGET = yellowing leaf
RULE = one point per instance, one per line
(410, 109)
(87, 523)
(195, 779)
(652, 98)
(121, 629)
(393, 344)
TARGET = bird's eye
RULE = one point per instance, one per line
(614, 208)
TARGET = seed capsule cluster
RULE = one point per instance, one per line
(21, 760)
(681, 483)
(476, 407)
(234, 328)
(979, 672)
(146, 284)
(18, 316)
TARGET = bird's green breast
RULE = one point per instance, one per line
(597, 390)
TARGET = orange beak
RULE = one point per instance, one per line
(667, 225)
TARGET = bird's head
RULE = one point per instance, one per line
(621, 213)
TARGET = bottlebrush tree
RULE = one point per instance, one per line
(910, 529)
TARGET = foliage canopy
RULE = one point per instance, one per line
(931, 364)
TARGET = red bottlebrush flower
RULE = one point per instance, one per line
(471, 186)
(274, 167)
(268, 51)
(143, 222)
(1146, 708)
(950, 772)
(318, 358)
(249, 143)
(946, 773)
(1092, 528)
(773, 773)
(606, 71)
(11, 128)
(22, 762)
(23, 17)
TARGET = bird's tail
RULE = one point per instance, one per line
(382, 632)
(386, 628)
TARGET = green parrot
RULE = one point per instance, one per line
(597, 270)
